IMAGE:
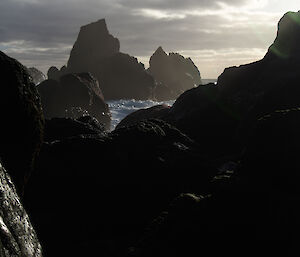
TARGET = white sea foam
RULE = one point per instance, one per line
(119, 109)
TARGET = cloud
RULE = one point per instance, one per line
(41, 32)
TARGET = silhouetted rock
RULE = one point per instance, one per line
(123, 77)
(154, 112)
(17, 236)
(22, 120)
(74, 95)
(93, 44)
(222, 116)
(251, 206)
(199, 113)
(137, 160)
(173, 74)
(271, 153)
(120, 75)
(37, 75)
(248, 83)
(61, 128)
(53, 73)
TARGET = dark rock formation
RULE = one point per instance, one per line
(72, 96)
(93, 44)
(120, 75)
(154, 112)
(22, 120)
(204, 117)
(36, 75)
(221, 117)
(277, 68)
(17, 236)
(252, 206)
(60, 128)
(173, 74)
(115, 202)
(55, 74)
(123, 77)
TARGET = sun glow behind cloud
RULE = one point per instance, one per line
(214, 33)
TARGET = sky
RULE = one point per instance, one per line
(215, 33)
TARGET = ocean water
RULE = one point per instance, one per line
(121, 108)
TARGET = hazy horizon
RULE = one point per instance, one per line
(215, 34)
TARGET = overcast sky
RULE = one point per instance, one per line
(214, 33)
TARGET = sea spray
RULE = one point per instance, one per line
(121, 108)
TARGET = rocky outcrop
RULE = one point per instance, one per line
(250, 204)
(22, 120)
(154, 112)
(55, 74)
(123, 77)
(120, 75)
(221, 116)
(173, 74)
(140, 163)
(74, 95)
(36, 75)
(60, 128)
(17, 235)
(277, 68)
(93, 44)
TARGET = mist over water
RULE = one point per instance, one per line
(121, 108)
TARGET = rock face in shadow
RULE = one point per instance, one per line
(120, 75)
(250, 206)
(93, 44)
(17, 235)
(22, 120)
(123, 77)
(74, 95)
(114, 203)
(154, 112)
(278, 67)
(173, 74)
(221, 116)
(55, 74)
(37, 75)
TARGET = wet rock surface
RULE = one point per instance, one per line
(37, 75)
(17, 235)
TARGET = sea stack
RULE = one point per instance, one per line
(98, 52)
(173, 74)
(93, 44)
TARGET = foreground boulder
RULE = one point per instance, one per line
(74, 95)
(115, 184)
(17, 235)
(154, 112)
(252, 205)
(173, 74)
(121, 76)
(22, 120)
